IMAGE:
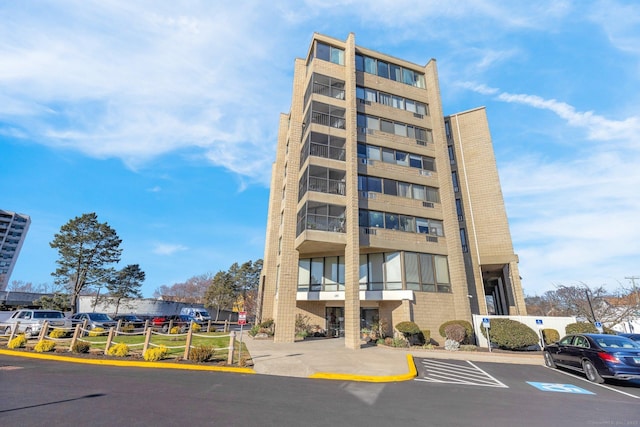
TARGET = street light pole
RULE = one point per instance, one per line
(586, 291)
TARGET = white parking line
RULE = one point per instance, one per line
(587, 381)
(438, 371)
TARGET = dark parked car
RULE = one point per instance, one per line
(599, 356)
(635, 337)
(162, 322)
(130, 319)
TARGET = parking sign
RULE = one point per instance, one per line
(242, 318)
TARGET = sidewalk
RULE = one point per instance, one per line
(328, 358)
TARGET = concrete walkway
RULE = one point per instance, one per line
(328, 358)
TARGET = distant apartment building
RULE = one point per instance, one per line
(382, 209)
(13, 230)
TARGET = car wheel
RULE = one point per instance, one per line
(591, 372)
(27, 333)
(165, 329)
(183, 329)
(548, 360)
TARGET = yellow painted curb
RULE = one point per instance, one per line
(371, 378)
(109, 362)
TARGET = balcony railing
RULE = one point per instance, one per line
(321, 223)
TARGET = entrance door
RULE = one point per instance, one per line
(335, 321)
(368, 317)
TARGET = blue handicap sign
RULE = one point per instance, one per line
(559, 388)
(538, 321)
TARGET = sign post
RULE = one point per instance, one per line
(242, 320)
(486, 324)
(599, 327)
(539, 325)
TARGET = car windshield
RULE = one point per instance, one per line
(616, 342)
(99, 317)
(48, 315)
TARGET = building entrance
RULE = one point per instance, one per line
(335, 321)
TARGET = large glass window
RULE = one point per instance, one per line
(376, 219)
(393, 268)
(329, 53)
(376, 275)
(316, 273)
(391, 221)
(304, 274)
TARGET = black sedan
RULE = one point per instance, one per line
(599, 356)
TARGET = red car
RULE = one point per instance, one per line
(162, 322)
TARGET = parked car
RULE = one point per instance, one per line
(162, 322)
(130, 319)
(598, 356)
(30, 321)
(94, 320)
(635, 337)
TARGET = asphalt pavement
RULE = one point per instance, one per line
(329, 358)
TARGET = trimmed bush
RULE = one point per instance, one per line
(426, 335)
(510, 334)
(155, 354)
(581, 328)
(195, 328)
(120, 350)
(18, 342)
(96, 332)
(44, 346)
(254, 330)
(127, 328)
(451, 345)
(175, 330)
(468, 347)
(550, 336)
(411, 333)
(202, 353)
(466, 325)
(80, 347)
(58, 333)
(455, 332)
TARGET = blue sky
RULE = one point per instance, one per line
(161, 117)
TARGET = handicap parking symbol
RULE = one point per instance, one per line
(559, 388)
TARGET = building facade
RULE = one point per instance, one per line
(382, 209)
(13, 230)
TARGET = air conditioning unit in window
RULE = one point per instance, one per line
(425, 172)
(364, 101)
(419, 116)
(427, 204)
(420, 142)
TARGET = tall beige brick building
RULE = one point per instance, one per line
(382, 209)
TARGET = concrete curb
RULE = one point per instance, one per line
(413, 372)
(126, 363)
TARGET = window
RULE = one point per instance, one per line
(454, 179)
(415, 161)
(385, 99)
(391, 221)
(376, 219)
(422, 225)
(402, 158)
(373, 152)
(386, 126)
(426, 273)
(329, 53)
(369, 65)
(390, 187)
(374, 184)
(376, 275)
(383, 69)
(407, 223)
(304, 274)
(359, 63)
(393, 270)
(395, 72)
(362, 151)
(388, 155)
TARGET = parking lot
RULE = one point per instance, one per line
(524, 378)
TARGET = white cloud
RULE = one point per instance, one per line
(168, 248)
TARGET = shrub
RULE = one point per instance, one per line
(80, 347)
(202, 353)
(127, 328)
(468, 347)
(466, 325)
(550, 336)
(175, 330)
(387, 341)
(399, 342)
(455, 332)
(96, 332)
(155, 354)
(18, 342)
(120, 350)
(510, 334)
(44, 345)
(581, 328)
(426, 335)
(58, 333)
(451, 345)
(254, 330)
(195, 328)
(408, 328)
(302, 325)
(411, 333)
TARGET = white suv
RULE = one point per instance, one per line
(30, 321)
